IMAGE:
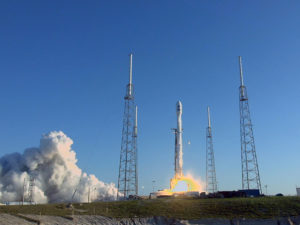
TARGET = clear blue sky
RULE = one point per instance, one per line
(64, 66)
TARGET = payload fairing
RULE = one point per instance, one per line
(178, 142)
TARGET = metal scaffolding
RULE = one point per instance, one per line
(134, 137)
(31, 189)
(250, 172)
(211, 180)
(127, 180)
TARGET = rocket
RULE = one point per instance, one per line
(178, 142)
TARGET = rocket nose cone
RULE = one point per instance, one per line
(178, 107)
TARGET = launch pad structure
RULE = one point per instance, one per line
(31, 189)
(211, 180)
(128, 171)
(250, 171)
(28, 190)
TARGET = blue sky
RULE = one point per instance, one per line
(64, 66)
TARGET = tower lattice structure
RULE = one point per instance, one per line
(250, 171)
(31, 189)
(127, 180)
(135, 135)
(211, 179)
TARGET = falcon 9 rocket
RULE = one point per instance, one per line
(178, 142)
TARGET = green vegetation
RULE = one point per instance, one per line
(266, 207)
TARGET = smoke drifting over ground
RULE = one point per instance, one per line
(56, 173)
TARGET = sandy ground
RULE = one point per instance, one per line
(6, 219)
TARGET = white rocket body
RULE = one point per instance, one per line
(178, 142)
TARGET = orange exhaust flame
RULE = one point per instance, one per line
(181, 185)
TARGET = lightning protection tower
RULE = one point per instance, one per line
(31, 189)
(134, 137)
(211, 180)
(250, 172)
(127, 181)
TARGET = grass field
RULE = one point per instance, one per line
(265, 207)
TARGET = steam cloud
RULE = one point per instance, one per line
(57, 176)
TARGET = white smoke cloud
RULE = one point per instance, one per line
(56, 173)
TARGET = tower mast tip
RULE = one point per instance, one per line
(241, 71)
(130, 74)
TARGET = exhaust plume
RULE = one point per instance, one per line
(57, 176)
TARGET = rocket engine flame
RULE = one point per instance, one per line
(181, 185)
(57, 176)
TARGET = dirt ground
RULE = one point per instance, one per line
(6, 219)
